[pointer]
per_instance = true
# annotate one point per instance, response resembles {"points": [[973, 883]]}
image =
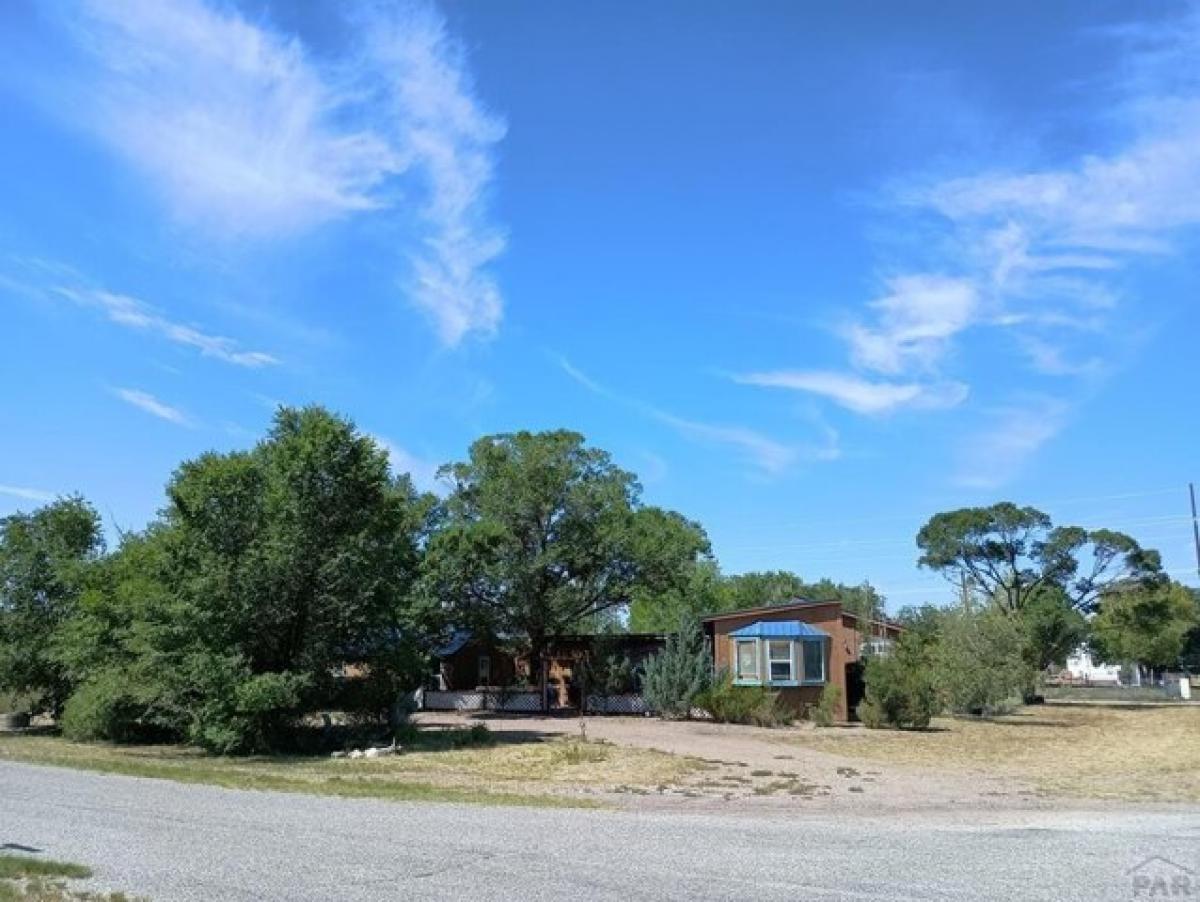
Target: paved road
{"points": [[171, 841]]}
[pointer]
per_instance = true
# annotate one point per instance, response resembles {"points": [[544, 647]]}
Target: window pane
{"points": [[814, 662], [780, 656], [747, 660]]}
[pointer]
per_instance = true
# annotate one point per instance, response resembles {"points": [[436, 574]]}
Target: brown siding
{"points": [[461, 670], [843, 647]]}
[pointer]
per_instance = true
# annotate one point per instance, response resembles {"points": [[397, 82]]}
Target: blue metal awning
{"points": [[779, 629]]}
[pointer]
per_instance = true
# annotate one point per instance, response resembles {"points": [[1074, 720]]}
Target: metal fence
{"points": [[519, 700], [627, 703]]}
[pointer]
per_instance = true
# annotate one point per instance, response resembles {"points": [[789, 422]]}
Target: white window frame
{"points": [[790, 661], [737, 662]]}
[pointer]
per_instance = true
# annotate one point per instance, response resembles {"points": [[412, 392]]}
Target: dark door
{"points": [[856, 688]]}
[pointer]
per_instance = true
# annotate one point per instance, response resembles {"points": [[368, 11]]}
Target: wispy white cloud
{"points": [[27, 494], [423, 472], [858, 394], [451, 137], [246, 132], [134, 314], [1041, 245], [232, 121], [153, 406], [654, 468], [1052, 359], [769, 456], [915, 321], [996, 454], [1039, 254]]}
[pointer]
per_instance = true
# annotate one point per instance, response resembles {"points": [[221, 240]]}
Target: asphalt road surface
{"points": [[170, 841]]}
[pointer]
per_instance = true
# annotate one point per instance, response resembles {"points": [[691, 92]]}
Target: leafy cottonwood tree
{"points": [[708, 592], [1148, 626], [1010, 553], [699, 595], [268, 570], [45, 558], [541, 532], [1053, 628], [119, 647]]}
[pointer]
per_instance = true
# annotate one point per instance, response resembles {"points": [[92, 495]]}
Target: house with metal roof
{"points": [[797, 649]]}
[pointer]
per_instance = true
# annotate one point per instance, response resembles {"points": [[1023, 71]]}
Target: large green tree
{"points": [[542, 533], [1009, 554], [702, 593], [268, 571], [1053, 628], [709, 592], [45, 561], [1148, 626]]}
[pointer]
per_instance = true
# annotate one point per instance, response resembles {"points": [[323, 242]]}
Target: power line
{"points": [[1122, 496], [856, 543]]}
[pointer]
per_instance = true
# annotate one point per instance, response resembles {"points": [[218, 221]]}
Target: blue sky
{"points": [[814, 272]]}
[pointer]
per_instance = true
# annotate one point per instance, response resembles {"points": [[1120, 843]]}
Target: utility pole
{"points": [[1195, 525]]}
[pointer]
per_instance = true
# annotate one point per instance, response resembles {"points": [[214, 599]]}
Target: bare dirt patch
{"points": [[732, 767]]}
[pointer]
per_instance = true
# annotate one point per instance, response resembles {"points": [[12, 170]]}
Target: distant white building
{"points": [[1080, 667]]}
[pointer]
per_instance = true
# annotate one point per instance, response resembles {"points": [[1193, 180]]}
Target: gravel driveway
{"points": [[752, 766], [172, 841]]}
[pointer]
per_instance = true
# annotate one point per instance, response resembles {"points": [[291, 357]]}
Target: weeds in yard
{"points": [[26, 879], [13, 867], [575, 751]]}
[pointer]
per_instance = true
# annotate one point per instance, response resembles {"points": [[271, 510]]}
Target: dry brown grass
{"points": [[1146, 754], [553, 772]]}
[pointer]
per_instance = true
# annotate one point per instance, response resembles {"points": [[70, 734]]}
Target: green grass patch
{"points": [[17, 867], [314, 776], [1107, 694]]}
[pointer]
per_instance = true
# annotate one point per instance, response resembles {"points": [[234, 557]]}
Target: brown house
{"points": [[466, 663], [797, 649]]}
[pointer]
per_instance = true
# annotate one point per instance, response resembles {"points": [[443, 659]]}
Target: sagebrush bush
{"points": [[824, 712], [871, 714], [727, 703]]}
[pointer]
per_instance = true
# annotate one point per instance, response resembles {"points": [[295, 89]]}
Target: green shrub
{"points": [[727, 703], [17, 702], [824, 713], [902, 689], [104, 708], [981, 662], [871, 714], [605, 671], [237, 712], [673, 678]]}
